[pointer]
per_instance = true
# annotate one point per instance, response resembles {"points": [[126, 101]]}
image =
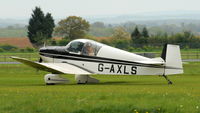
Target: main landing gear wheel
{"points": [[169, 81], [85, 79]]}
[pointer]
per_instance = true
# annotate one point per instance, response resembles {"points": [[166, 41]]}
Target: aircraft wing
{"points": [[56, 68]]}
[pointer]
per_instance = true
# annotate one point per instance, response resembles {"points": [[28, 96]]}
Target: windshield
{"points": [[75, 47]]}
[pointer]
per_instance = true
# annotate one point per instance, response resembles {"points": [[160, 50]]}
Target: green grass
{"points": [[22, 90], [19, 53], [5, 57]]}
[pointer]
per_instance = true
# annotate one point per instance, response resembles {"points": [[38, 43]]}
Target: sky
{"points": [[19, 9]]}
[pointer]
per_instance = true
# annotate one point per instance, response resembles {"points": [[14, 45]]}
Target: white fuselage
{"points": [[109, 60]]}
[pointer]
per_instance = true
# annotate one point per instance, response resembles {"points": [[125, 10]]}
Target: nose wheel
{"points": [[168, 80]]}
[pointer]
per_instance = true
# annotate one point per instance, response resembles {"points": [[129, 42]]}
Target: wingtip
{"points": [[13, 57], [17, 58]]}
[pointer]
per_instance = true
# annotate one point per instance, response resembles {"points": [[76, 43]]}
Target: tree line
{"points": [[41, 27], [185, 39]]}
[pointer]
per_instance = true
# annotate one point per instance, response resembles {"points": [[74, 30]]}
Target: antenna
{"points": [[44, 44]]}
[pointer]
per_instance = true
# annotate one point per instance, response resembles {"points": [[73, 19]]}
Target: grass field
{"points": [[22, 90]]}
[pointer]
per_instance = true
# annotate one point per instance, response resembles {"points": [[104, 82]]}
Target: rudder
{"points": [[172, 56]]}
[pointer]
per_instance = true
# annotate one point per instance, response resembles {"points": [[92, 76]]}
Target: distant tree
{"points": [[72, 27], [8, 47], [121, 38], [120, 33], [143, 40], [63, 42], [129, 26], [40, 27], [98, 25], [136, 33], [35, 26], [53, 42], [188, 34], [136, 36], [49, 25], [145, 32], [99, 29], [1, 50]]}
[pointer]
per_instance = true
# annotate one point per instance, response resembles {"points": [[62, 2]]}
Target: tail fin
{"points": [[172, 56]]}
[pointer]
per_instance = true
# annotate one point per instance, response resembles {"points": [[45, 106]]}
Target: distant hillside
{"points": [[152, 18], [11, 31], [18, 42], [10, 22]]}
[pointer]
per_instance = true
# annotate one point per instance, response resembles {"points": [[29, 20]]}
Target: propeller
{"points": [[40, 60]]}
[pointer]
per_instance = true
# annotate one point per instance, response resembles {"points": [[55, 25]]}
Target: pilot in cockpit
{"points": [[88, 49]]}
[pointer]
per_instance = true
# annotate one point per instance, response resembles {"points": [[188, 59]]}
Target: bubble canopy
{"points": [[84, 47]]}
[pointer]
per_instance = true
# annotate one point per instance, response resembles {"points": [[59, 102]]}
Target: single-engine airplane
{"points": [[84, 57]]}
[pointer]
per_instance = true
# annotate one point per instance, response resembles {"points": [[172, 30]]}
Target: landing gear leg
{"points": [[85, 79], [169, 81]]}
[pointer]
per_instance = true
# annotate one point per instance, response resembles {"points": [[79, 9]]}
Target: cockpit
{"points": [[84, 47]]}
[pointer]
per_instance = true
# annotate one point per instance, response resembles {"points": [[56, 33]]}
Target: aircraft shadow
{"points": [[101, 83], [127, 83], [22, 85]]}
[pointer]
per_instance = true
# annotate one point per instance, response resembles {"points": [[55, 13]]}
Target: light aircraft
{"points": [[83, 57]]}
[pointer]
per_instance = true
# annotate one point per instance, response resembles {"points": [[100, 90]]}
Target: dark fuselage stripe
{"points": [[90, 57], [99, 60]]}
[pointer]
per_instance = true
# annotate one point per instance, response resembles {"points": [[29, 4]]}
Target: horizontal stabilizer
{"points": [[153, 61]]}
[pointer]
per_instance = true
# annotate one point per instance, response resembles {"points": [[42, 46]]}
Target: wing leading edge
{"points": [[56, 68]]}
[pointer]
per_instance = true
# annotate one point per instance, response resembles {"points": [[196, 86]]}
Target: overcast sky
{"points": [[62, 8]]}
